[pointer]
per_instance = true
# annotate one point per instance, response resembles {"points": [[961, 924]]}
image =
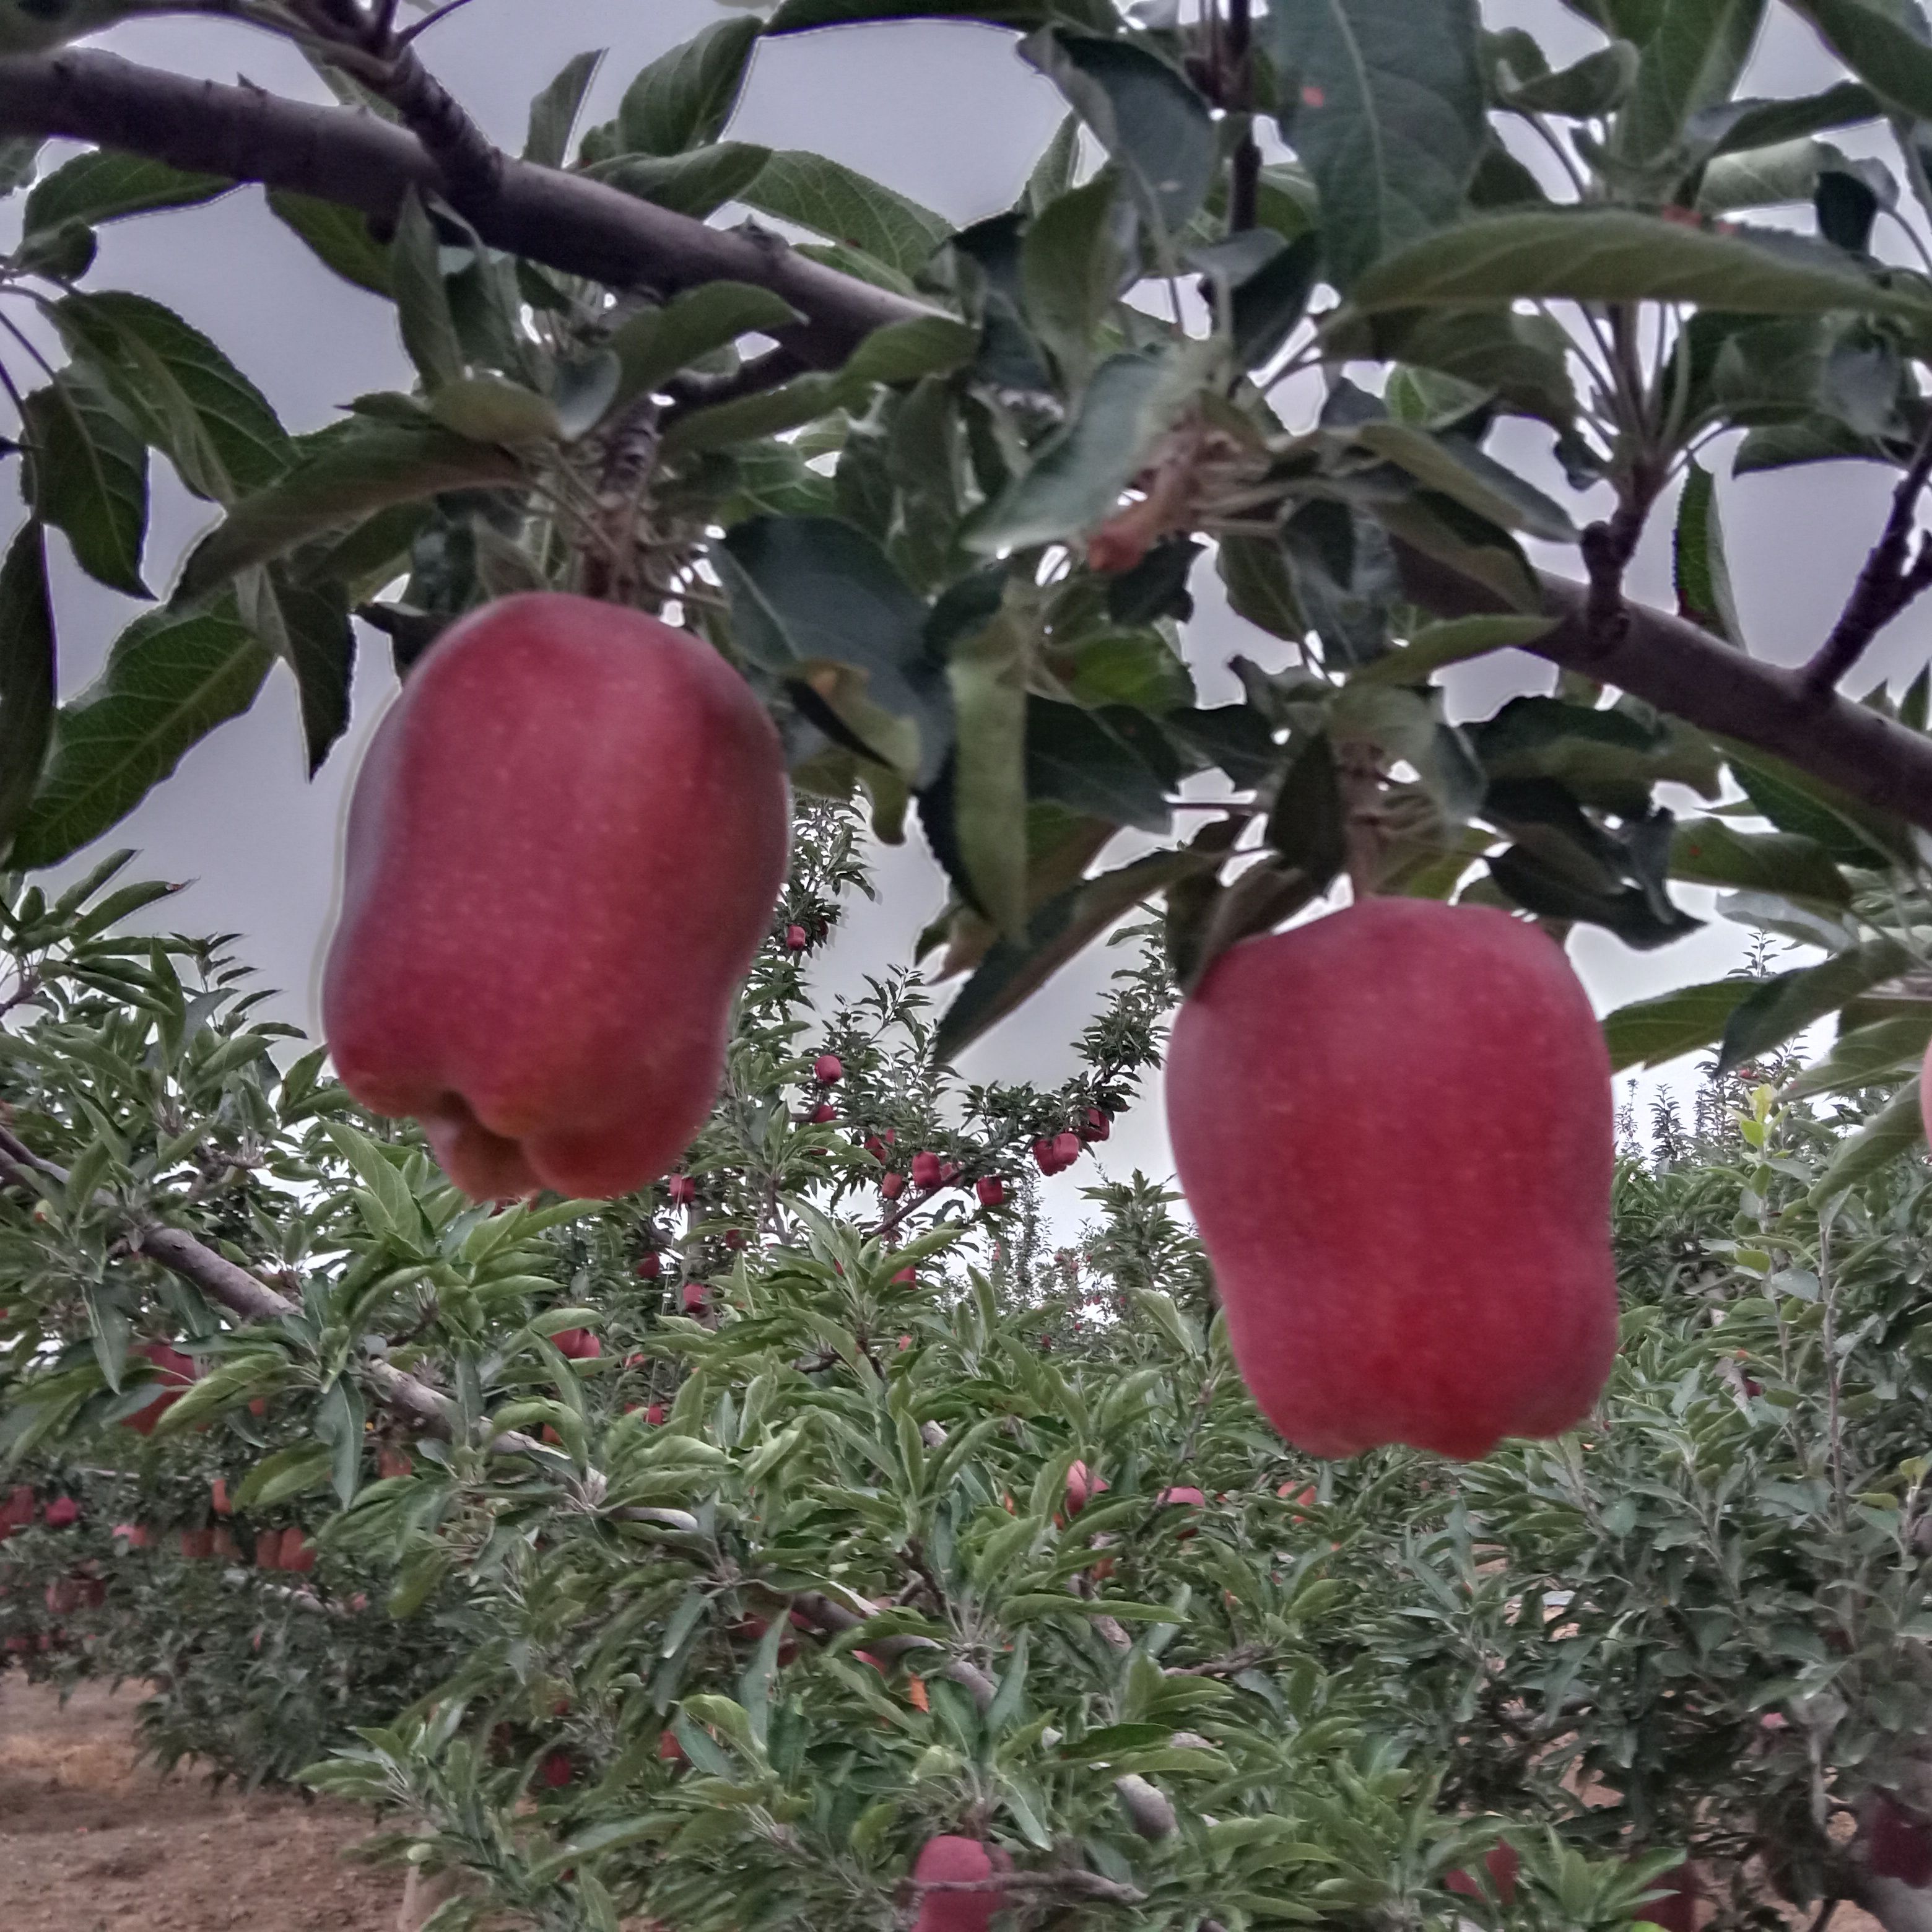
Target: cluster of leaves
{"points": [[958, 566]]}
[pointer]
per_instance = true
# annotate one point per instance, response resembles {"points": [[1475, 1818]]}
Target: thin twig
{"points": [[1886, 583]]}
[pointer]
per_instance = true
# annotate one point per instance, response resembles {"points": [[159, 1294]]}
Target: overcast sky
{"points": [[946, 114]]}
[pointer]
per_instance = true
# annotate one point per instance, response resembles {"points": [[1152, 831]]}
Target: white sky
{"points": [[946, 114]]}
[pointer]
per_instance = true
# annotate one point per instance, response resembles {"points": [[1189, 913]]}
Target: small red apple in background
{"points": [[681, 1188], [875, 1147], [296, 1553], [907, 1277], [925, 1171], [734, 1238], [1186, 1498], [579, 1345], [990, 1189], [823, 1114], [556, 1770], [1394, 1127], [197, 1544], [62, 1512], [795, 939], [670, 1751], [948, 1173], [268, 1549], [218, 1497], [393, 1462], [1502, 1865], [1099, 1125], [828, 1070], [655, 1414], [648, 1267], [174, 1372], [522, 962], [892, 1185], [1899, 1845], [696, 1298], [955, 1861]]}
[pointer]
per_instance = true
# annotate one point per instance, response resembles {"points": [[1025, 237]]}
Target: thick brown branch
{"points": [[559, 219], [1685, 671]]}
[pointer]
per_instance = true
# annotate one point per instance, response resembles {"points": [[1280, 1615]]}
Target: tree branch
{"points": [[549, 216], [1886, 583], [1684, 671]]}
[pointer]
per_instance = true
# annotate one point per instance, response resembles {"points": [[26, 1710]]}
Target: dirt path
{"points": [[90, 1843]]}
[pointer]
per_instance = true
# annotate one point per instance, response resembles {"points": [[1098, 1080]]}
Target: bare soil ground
{"points": [[90, 1842]]}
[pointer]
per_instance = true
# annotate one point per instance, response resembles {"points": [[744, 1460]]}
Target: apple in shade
{"points": [[696, 1298], [648, 1267], [1394, 1127], [173, 1372], [682, 1190], [579, 1345], [892, 1185], [523, 961], [1501, 1863]]}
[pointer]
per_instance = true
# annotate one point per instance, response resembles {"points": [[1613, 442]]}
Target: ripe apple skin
{"points": [[563, 849], [957, 1860], [1394, 1127]]}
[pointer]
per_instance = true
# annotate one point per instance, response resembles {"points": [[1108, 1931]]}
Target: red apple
{"points": [[1099, 1126], [925, 1171], [556, 1770], [648, 1267], [955, 1861], [62, 1512], [892, 1185], [1502, 1865], [1394, 1128], [823, 1114], [795, 939], [907, 1277], [579, 1345], [1900, 1845], [990, 1189], [1082, 1487], [656, 1414], [564, 847], [682, 1190], [173, 1371], [1676, 1911], [828, 1070], [697, 1299]]}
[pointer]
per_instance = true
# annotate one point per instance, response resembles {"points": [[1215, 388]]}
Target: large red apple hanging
{"points": [[1394, 1127], [564, 848]]}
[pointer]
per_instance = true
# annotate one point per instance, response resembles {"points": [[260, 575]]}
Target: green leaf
{"points": [[180, 391], [1383, 101], [1875, 43], [811, 596], [698, 184], [1454, 467], [1693, 61], [307, 625], [339, 1421], [1454, 640], [86, 472], [1012, 972], [27, 675], [1521, 359], [1649, 1032], [338, 237], [1613, 254], [1896, 1129], [986, 671], [1155, 126], [423, 312], [797, 16], [1071, 265], [1794, 801], [1595, 85], [654, 344], [553, 113], [1886, 1050], [1711, 852], [1787, 1003], [1255, 572], [1076, 477], [844, 205], [1082, 760], [488, 409], [106, 183], [169, 680], [683, 99], [1752, 123], [288, 1473], [1764, 177], [1702, 573], [365, 468]]}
